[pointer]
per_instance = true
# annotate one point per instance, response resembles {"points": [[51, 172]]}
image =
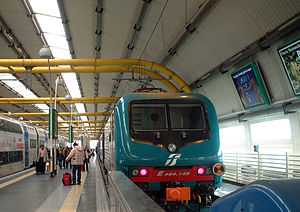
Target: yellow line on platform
{"points": [[72, 200], [16, 179]]}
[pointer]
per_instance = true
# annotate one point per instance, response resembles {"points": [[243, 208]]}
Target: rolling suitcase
{"points": [[67, 179], [39, 167]]}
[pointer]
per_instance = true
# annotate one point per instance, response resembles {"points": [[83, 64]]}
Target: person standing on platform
{"points": [[86, 159], [42, 157], [76, 156], [66, 152], [60, 157]]}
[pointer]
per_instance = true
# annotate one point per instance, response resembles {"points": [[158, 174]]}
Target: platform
{"points": [[43, 193]]}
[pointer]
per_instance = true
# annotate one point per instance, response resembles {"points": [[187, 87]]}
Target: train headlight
{"points": [[135, 172], [218, 169], [172, 147]]}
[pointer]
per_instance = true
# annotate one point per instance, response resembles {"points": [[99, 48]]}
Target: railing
{"points": [[245, 168]]}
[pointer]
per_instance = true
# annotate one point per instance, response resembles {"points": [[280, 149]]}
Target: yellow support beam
{"points": [[92, 69], [60, 100], [132, 63], [75, 127], [61, 122], [60, 113]]}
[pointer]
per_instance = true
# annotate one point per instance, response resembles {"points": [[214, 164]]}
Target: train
{"points": [[167, 144], [19, 145]]}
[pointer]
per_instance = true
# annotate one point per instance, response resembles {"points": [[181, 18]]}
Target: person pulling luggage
{"points": [[76, 157]]}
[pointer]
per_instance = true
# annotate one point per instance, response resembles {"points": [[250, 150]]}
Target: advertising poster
{"points": [[290, 57], [250, 86]]}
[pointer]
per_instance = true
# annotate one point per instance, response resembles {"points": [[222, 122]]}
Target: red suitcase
{"points": [[67, 179]]}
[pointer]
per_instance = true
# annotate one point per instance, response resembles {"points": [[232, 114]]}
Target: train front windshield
{"points": [[148, 117], [187, 117], [167, 122]]}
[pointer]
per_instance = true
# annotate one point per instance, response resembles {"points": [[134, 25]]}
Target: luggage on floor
{"points": [[67, 179], [39, 167]]}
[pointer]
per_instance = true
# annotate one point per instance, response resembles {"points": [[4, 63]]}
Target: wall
{"points": [[220, 89]]}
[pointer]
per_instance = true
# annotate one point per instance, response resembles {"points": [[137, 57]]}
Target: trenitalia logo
{"points": [[172, 159]]}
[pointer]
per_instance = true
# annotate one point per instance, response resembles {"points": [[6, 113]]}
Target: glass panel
{"points": [[233, 139], [70, 80], [3, 158], [12, 157], [32, 143], [148, 117], [48, 7], [50, 24], [2, 125], [269, 131], [187, 117], [57, 41]]}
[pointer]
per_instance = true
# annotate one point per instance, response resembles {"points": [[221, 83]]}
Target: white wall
{"points": [[222, 92]]}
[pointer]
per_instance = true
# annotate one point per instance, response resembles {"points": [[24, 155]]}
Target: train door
{"points": [[26, 144], [32, 144], [38, 137]]}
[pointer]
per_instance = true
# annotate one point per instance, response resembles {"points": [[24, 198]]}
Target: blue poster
{"points": [[247, 86]]}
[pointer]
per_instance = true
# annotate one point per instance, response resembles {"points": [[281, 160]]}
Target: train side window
{"points": [[8, 126], [32, 143], [15, 128], [10, 157], [2, 125], [3, 158], [15, 156]]}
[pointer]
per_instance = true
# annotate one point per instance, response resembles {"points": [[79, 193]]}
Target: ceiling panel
{"points": [[118, 21], [173, 21], [15, 16], [219, 38]]}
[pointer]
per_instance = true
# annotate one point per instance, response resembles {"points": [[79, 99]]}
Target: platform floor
{"points": [[43, 193]]}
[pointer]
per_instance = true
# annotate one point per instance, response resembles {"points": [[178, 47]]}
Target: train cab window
{"points": [[187, 117], [148, 117]]}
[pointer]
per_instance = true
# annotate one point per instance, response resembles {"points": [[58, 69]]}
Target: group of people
{"points": [[61, 155], [76, 158]]}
